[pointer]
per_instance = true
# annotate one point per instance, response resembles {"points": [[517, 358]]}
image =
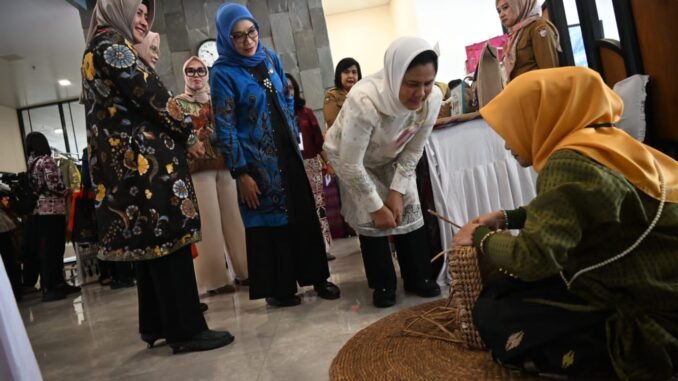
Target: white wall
{"points": [[363, 35], [402, 12], [456, 24], [6, 84], [366, 34], [11, 148]]}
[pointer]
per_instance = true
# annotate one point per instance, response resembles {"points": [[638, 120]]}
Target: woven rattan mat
{"points": [[382, 351]]}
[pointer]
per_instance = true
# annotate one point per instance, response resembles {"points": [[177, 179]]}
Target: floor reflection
{"points": [[94, 336]]}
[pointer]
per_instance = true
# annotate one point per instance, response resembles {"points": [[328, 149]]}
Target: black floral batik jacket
{"points": [[137, 136]]}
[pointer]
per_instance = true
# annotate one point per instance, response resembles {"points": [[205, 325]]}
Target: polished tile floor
{"points": [[94, 336]]}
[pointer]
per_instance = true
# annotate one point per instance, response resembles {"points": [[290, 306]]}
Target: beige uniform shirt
{"points": [[537, 48], [334, 99]]}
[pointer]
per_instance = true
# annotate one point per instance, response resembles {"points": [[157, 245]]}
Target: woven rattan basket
{"points": [[454, 319]]}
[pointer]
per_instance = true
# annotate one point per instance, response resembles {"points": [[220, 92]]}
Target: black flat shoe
{"points": [[244, 282], [327, 290], [118, 284], [288, 301], [68, 289], [52, 295], [204, 307], [330, 257], [150, 339], [428, 289], [383, 298], [203, 341]]}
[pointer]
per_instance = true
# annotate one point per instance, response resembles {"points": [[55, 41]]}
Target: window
{"points": [[576, 38], [62, 123], [74, 115], [607, 17], [46, 120]]}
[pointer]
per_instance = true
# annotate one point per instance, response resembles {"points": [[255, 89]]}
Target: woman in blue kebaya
{"points": [[255, 130]]}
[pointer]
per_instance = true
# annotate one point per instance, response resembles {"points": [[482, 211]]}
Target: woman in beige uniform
{"points": [[533, 41], [346, 75]]}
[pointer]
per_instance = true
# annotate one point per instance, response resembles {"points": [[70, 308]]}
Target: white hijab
{"points": [[383, 87]]}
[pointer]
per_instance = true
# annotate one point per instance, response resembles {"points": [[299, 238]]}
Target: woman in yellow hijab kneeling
{"points": [[590, 283]]}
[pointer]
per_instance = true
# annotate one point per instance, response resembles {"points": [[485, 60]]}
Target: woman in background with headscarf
{"points": [[223, 232], [594, 269], [259, 139], [149, 49], [346, 74], [533, 41], [374, 146], [312, 141], [145, 204], [48, 223]]}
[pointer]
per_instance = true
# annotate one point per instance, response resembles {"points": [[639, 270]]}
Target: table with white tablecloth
{"points": [[473, 174]]}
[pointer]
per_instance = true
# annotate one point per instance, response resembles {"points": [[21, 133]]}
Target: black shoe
{"points": [[227, 289], [68, 289], [327, 290], [428, 289], [150, 339], [287, 301], [204, 307], [383, 298], [52, 295], [28, 290], [203, 341], [330, 257], [118, 284], [244, 282]]}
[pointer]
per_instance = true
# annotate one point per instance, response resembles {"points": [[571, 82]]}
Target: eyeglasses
{"points": [[240, 37], [196, 72]]}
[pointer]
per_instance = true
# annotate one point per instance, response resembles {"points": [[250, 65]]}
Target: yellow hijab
{"points": [[543, 111]]}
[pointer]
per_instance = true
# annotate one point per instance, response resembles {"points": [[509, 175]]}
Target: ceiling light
{"points": [[58, 131], [64, 82]]}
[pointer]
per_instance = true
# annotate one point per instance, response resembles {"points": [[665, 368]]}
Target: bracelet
{"points": [[192, 140], [506, 223], [481, 245]]}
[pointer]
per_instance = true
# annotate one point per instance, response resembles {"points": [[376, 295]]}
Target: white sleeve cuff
{"points": [[373, 202], [400, 182]]}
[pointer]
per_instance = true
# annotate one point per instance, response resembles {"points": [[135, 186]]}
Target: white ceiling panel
{"points": [[41, 41], [333, 7]]}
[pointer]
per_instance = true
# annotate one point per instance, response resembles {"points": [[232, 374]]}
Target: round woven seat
{"points": [[383, 351]]}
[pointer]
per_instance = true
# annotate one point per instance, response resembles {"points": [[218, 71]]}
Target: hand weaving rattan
{"points": [[454, 322]]}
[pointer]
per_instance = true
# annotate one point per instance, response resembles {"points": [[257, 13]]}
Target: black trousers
{"points": [[413, 257], [169, 305], [537, 337], [49, 233], [279, 258], [29, 253], [9, 260]]}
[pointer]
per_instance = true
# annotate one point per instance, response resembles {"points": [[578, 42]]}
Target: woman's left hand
{"points": [[464, 237], [330, 170], [204, 133], [394, 201]]}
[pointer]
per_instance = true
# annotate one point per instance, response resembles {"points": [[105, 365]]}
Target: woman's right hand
{"points": [[493, 220], [196, 151], [383, 218], [249, 191]]}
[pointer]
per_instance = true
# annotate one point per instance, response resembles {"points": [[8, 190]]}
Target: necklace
{"points": [[635, 244]]}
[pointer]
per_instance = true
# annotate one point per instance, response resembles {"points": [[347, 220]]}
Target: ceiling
{"points": [[333, 7], [41, 41]]}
